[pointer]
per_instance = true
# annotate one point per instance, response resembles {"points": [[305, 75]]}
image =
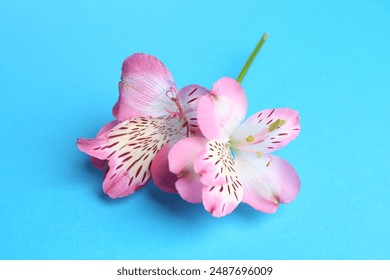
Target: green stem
{"points": [[251, 58]]}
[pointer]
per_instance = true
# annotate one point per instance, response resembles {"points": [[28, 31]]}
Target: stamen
{"points": [[249, 151], [270, 160], [258, 154], [179, 113], [172, 114], [250, 138], [276, 124], [171, 93]]}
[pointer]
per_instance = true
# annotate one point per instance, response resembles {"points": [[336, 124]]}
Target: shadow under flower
{"points": [[167, 204], [249, 214], [173, 203]]}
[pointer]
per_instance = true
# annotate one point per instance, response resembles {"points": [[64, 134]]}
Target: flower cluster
{"points": [[193, 142]]}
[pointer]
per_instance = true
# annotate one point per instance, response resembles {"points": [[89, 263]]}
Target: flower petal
{"points": [[221, 200], [182, 155], [107, 127], [181, 162], [222, 111], [189, 97], [144, 88], [215, 164], [162, 177], [268, 181], [98, 163], [222, 190], [267, 131], [190, 189], [130, 148]]}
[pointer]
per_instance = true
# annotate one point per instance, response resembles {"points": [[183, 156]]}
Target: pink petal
{"points": [[119, 184], [93, 146], [130, 148], [268, 181], [222, 111], [98, 163], [221, 200], [190, 189], [267, 131], [181, 161], [107, 127], [162, 177], [215, 164], [222, 190], [189, 97], [145, 87]]}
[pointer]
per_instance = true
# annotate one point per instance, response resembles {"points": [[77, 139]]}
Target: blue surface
{"points": [[60, 65]]}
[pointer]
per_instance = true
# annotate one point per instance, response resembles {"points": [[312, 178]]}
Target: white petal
{"points": [[267, 131], [215, 164], [268, 181], [145, 88], [130, 148]]}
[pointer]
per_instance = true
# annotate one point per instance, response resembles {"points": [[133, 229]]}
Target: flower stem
{"points": [[251, 58]]}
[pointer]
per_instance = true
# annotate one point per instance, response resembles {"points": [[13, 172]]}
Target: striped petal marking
{"points": [[215, 163], [267, 131], [130, 148], [222, 199], [217, 170], [188, 99]]}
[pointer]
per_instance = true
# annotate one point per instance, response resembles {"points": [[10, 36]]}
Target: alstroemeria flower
{"points": [[152, 115], [232, 163], [98, 163]]}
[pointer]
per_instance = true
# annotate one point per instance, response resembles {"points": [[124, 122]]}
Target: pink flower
{"points": [[98, 163], [151, 116], [231, 163]]}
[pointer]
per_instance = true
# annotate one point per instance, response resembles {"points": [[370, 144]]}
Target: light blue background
{"points": [[60, 64]]}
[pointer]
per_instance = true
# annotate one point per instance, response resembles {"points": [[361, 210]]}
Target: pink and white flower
{"points": [[151, 115], [231, 163]]}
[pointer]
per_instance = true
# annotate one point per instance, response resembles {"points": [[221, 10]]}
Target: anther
{"points": [[276, 124]]}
